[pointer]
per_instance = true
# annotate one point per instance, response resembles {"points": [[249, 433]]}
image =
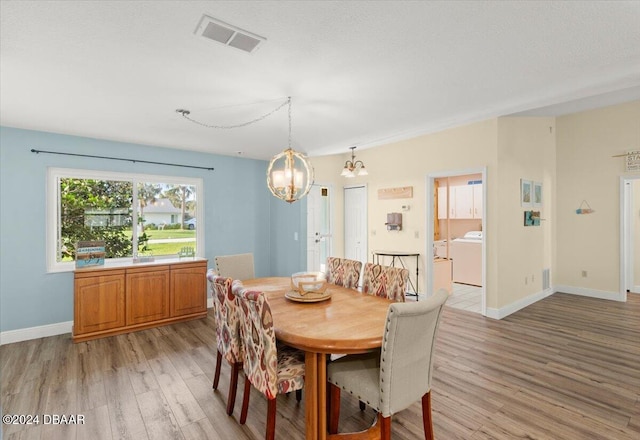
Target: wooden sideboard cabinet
{"points": [[114, 300]]}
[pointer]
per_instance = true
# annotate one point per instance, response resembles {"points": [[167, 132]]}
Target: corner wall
{"points": [[238, 208], [586, 171]]}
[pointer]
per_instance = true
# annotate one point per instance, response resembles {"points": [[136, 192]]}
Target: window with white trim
{"points": [[85, 205]]}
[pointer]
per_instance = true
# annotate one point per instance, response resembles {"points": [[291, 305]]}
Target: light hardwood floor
{"points": [[566, 367]]}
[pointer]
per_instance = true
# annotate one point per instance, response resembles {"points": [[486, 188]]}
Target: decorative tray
{"points": [[309, 297]]}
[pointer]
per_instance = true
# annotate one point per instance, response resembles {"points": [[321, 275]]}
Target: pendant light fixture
{"points": [[353, 167], [289, 175]]}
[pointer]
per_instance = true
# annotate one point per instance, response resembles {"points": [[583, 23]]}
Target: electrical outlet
{"points": [[373, 232], [526, 280], [417, 234], [584, 274]]}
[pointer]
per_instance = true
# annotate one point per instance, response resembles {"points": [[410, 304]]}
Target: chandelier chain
{"points": [[185, 114]]}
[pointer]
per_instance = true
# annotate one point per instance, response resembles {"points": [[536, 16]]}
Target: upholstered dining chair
{"points": [[238, 267], [384, 281], [228, 340], [399, 375], [272, 369], [343, 272]]}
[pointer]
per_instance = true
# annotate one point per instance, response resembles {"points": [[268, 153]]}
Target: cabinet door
{"points": [[464, 201], [147, 295], [98, 303], [188, 289], [477, 201], [442, 202]]}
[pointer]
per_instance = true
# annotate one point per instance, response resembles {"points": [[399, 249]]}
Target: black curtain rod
{"points": [[120, 158]]}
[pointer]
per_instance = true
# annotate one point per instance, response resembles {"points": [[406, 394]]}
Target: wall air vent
{"points": [[229, 35]]}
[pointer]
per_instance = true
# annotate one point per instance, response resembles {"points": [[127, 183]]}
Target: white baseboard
{"points": [[517, 305], [25, 334], [592, 293]]}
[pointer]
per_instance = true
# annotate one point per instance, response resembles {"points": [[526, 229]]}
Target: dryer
{"points": [[466, 253]]}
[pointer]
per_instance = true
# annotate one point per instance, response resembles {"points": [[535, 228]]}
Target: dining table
{"points": [[347, 322]]}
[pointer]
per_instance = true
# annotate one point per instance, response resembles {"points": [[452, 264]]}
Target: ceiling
{"points": [[359, 73]]}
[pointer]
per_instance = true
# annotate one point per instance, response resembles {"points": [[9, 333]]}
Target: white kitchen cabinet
{"points": [[465, 202], [442, 203], [477, 201]]}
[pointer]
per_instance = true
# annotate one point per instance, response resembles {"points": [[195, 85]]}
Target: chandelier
{"points": [[290, 174], [354, 167]]}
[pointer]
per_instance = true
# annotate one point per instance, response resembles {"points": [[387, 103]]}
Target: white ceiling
{"points": [[359, 73]]}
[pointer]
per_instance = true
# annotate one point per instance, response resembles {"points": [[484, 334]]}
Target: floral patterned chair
{"points": [[271, 369], [343, 272], [384, 281], [228, 339]]}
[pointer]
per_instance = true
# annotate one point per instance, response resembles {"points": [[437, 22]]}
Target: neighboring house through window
{"points": [[85, 205]]}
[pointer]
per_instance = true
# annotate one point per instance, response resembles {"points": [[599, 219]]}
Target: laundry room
{"points": [[458, 235]]}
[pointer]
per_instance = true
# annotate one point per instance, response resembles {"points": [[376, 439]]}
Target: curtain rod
{"points": [[121, 158]]}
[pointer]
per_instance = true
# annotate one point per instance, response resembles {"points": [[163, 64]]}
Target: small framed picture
{"points": [[537, 195], [525, 193]]}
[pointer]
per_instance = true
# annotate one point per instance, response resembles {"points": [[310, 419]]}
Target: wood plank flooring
{"points": [[567, 367]]}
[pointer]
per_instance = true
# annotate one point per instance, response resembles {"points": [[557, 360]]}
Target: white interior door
{"points": [[318, 227], [631, 235], [355, 223]]}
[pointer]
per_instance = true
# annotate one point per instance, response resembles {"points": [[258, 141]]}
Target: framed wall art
{"points": [[526, 187], [536, 195]]}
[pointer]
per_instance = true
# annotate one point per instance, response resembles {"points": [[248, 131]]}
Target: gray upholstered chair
{"points": [[400, 374], [384, 281], [343, 272], [238, 267]]}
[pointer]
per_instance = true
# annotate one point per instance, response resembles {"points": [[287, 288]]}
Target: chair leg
{"points": [[362, 406], [334, 408], [245, 401], [271, 419], [427, 421], [298, 395], [385, 427], [233, 386], [216, 375]]}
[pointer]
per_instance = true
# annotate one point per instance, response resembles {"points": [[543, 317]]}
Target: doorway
{"points": [[319, 228], [461, 222], [355, 223], [629, 236]]}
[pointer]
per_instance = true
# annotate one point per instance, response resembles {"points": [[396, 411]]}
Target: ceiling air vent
{"points": [[229, 35]]}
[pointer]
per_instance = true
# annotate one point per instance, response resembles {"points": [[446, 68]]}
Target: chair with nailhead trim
{"points": [[400, 374]]}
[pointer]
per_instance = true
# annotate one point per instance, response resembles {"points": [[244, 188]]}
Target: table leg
{"points": [[311, 395], [322, 395]]}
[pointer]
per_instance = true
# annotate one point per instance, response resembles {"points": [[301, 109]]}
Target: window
{"points": [[93, 205]]}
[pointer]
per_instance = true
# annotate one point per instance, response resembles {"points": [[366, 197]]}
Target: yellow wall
{"points": [[570, 155], [586, 171], [407, 163], [526, 150]]}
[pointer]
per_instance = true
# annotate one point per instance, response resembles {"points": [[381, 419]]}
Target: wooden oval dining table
{"points": [[348, 322]]}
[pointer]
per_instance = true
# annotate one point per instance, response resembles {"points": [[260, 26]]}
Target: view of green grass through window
{"points": [[95, 209]]}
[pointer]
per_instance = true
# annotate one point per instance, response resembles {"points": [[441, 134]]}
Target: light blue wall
{"points": [[240, 215]]}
